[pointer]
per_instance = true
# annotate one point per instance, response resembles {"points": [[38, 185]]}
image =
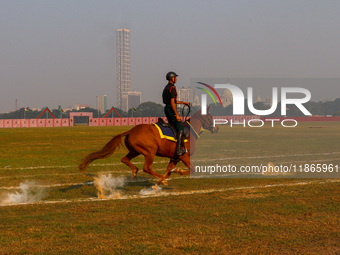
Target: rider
{"points": [[169, 99]]}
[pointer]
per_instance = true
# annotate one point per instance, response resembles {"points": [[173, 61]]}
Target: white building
{"points": [[81, 106], [227, 98], [102, 103], [130, 100], [184, 94], [123, 64]]}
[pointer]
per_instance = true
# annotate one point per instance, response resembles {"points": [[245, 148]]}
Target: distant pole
{"points": [[61, 111]]}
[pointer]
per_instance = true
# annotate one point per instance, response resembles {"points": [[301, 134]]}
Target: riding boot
{"points": [[179, 150]]}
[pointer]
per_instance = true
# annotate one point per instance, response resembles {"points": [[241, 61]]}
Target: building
{"points": [[36, 109], [130, 100], [102, 103], [81, 106], [184, 94], [268, 101], [196, 101], [67, 109], [227, 98], [123, 64]]}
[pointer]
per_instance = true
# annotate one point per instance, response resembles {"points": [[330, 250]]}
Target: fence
{"points": [[31, 123]]}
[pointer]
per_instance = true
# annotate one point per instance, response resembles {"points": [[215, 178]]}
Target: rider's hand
{"points": [[178, 118]]}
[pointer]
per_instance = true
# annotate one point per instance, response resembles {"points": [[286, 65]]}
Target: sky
{"points": [[57, 52]]}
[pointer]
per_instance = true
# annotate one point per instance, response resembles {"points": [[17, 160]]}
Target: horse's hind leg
{"points": [[148, 168], [171, 166], [127, 161], [186, 160]]}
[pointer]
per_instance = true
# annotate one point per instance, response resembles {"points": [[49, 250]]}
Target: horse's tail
{"points": [[105, 152]]}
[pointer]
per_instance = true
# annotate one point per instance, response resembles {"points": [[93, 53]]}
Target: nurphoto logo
{"points": [[239, 99]]}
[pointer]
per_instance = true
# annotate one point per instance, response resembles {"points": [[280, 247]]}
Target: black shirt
{"points": [[169, 92]]}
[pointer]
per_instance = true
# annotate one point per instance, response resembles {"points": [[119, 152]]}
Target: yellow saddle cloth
{"points": [[166, 132]]}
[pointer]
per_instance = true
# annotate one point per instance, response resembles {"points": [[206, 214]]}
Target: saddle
{"points": [[186, 131]]}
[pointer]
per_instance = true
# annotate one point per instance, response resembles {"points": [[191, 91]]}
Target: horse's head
{"points": [[207, 121]]}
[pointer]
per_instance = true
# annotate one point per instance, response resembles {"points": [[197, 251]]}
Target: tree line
{"points": [[146, 109], [151, 109]]}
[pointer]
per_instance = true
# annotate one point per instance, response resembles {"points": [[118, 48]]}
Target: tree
{"points": [[148, 109], [151, 109]]}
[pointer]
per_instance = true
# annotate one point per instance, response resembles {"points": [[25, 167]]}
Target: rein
{"points": [[186, 116], [201, 119], [192, 130]]}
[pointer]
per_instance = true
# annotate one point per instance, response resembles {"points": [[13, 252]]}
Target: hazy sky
{"points": [[63, 52]]}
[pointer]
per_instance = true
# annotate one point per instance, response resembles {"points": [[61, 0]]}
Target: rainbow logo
{"points": [[209, 93]]}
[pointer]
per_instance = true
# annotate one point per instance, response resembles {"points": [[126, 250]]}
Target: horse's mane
{"points": [[197, 114]]}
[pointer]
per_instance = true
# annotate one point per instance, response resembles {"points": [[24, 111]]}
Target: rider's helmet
{"points": [[169, 75]]}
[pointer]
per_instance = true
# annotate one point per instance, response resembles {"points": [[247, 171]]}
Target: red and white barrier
{"points": [[65, 123], [34, 123], [110, 122], [31, 123]]}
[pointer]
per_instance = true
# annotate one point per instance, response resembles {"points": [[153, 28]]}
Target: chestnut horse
{"points": [[145, 139]]}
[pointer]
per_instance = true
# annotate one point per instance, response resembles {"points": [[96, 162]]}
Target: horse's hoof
{"points": [[175, 170], [134, 173], [101, 196], [162, 181]]}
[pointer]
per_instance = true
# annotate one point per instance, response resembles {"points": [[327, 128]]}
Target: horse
{"points": [[145, 139]]}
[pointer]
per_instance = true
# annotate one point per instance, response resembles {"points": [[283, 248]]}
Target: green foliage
{"points": [[148, 109], [151, 109]]}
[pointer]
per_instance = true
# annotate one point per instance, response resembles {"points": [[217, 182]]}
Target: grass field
{"points": [[190, 216]]}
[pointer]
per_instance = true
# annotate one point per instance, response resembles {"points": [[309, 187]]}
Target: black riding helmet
{"points": [[169, 75]]}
